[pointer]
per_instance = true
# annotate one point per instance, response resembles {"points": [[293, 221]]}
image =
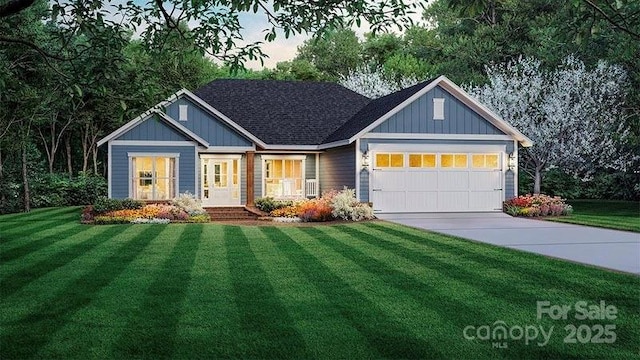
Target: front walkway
{"points": [[612, 249]]}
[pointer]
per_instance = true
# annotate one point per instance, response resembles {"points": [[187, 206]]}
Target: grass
{"points": [[620, 215], [370, 290]]}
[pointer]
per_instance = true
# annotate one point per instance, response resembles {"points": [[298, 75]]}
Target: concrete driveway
{"points": [[612, 249]]}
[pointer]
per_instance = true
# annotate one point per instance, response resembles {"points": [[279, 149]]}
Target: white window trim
{"points": [[282, 157], [438, 109], [132, 155]]}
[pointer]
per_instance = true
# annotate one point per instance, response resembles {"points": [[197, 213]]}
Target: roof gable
{"points": [[210, 127], [153, 129], [418, 117], [374, 113], [162, 118]]}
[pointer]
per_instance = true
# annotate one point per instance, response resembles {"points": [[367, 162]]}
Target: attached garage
{"points": [[437, 178]]}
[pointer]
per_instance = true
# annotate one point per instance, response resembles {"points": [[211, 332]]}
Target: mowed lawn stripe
{"points": [[19, 230], [388, 337], [58, 233], [58, 213], [327, 334], [266, 327], [10, 282], [152, 330], [100, 324], [431, 305], [28, 335], [210, 319]]}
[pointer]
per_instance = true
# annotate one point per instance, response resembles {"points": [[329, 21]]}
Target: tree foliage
{"points": [[571, 113]]}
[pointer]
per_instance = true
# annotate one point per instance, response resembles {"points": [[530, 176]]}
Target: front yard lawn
{"points": [[368, 290], [620, 215]]}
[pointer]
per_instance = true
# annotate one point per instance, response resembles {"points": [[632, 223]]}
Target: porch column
{"points": [[250, 175]]}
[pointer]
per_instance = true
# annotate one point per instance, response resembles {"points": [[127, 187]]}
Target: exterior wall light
{"points": [[365, 160], [512, 161]]}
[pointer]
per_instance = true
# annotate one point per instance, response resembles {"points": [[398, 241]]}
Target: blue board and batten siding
{"points": [[417, 118], [120, 165], [153, 129], [208, 127]]}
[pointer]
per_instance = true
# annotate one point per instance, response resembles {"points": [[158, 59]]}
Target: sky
{"points": [[254, 26], [283, 49]]}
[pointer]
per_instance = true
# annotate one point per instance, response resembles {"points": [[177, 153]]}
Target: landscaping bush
{"points": [[333, 204], [314, 210], [189, 204], [537, 205], [115, 211], [269, 204], [104, 204], [346, 207]]}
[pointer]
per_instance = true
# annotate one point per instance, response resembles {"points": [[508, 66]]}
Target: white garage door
{"points": [[437, 181]]}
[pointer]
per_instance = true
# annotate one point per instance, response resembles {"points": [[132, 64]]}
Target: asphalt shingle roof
{"points": [[298, 112], [284, 112]]}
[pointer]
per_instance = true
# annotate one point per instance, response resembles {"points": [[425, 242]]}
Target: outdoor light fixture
{"points": [[512, 161], [365, 160]]}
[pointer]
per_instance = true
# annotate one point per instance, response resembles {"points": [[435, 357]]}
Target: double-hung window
{"points": [[284, 176]]}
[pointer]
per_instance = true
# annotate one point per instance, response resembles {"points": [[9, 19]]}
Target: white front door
{"points": [[220, 180]]}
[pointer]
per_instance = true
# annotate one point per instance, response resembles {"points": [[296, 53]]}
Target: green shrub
{"points": [[200, 218], [104, 204], [268, 204]]}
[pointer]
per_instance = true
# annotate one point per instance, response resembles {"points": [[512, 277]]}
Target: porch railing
{"points": [[311, 188]]}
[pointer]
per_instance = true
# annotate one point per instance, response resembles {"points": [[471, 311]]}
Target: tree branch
{"points": [[611, 20], [14, 6], [45, 55]]}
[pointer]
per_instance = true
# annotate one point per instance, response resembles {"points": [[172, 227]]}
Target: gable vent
{"points": [[438, 109], [183, 112]]}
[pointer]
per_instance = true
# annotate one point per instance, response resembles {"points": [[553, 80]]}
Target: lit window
{"points": [[422, 160], [154, 177], [487, 161], [389, 160], [453, 160], [283, 178]]}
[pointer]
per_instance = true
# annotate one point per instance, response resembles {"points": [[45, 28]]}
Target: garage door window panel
{"points": [[453, 160], [422, 160], [389, 160], [485, 161]]}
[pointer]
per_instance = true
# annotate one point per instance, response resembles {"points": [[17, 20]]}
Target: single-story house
{"points": [[428, 148]]}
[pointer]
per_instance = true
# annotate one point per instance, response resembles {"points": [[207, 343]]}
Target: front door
{"points": [[220, 179]]}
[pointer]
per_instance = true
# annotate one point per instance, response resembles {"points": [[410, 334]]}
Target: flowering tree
{"points": [[374, 83], [572, 114]]}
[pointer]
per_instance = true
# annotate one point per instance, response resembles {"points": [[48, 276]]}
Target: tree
{"points": [[334, 53], [573, 114], [374, 83], [216, 24]]}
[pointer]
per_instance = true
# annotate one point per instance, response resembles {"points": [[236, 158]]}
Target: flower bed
{"points": [[331, 206], [537, 205], [184, 208]]}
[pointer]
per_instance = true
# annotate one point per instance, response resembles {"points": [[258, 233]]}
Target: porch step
{"points": [[230, 213]]}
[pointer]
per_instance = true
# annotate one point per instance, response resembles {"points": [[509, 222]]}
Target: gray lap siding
{"points": [[120, 167], [338, 168]]}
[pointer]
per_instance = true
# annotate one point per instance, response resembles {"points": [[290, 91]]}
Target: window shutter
{"points": [[183, 112], [438, 109]]}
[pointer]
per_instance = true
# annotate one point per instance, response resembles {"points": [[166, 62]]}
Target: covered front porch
{"points": [[235, 180]]}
